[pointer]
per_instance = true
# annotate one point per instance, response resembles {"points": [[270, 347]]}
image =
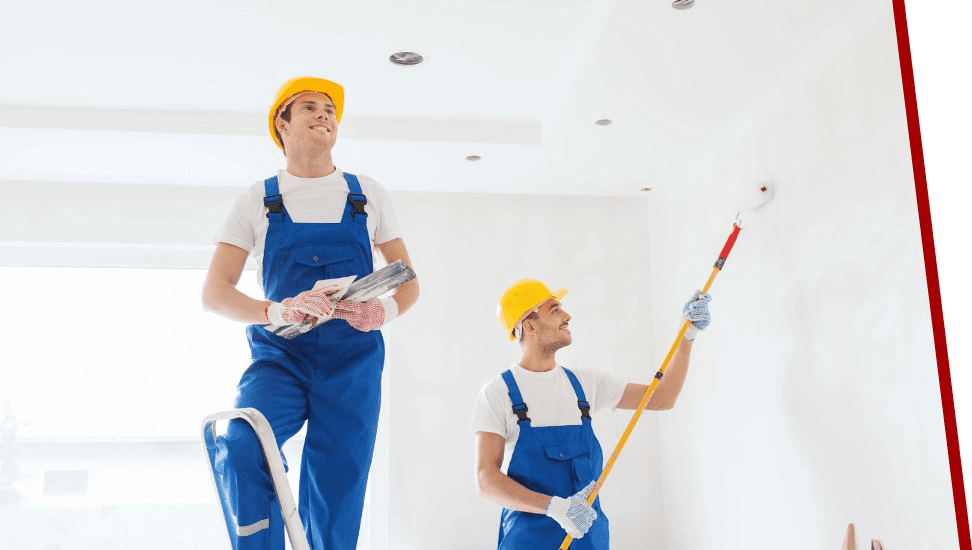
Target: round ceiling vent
{"points": [[406, 58], [604, 122]]}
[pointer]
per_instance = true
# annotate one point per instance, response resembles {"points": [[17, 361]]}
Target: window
{"points": [[107, 375]]}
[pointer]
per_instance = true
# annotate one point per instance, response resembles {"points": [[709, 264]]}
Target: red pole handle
{"points": [[725, 250]]}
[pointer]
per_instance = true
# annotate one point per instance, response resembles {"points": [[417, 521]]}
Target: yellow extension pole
{"points": [[654, 382]]}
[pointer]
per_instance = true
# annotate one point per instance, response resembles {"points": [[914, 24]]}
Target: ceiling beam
{"points": [[252, 124]]}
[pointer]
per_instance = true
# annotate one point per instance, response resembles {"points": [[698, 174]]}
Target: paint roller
{"points": [[754, 199], [749, 202]]}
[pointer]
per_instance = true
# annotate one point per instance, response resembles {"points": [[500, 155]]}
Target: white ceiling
{"points": [[176, 92]]}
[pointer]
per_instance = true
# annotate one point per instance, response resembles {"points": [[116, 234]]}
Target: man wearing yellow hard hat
{"points": [[311, 221], [537, 414]]}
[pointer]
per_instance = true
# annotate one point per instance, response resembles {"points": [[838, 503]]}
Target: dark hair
{"points": [[285, 114]]}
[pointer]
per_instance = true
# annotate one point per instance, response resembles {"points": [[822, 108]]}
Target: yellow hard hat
{"points": [[300, 85], [520, 299]]}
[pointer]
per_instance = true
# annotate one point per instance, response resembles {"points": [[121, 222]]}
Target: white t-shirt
{"points": [[549, 397], [307, 200]]}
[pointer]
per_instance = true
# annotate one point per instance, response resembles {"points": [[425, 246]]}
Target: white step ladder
{"points": [[268, 443]]}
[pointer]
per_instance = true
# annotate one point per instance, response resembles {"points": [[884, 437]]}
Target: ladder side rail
{"points": [[278, 475]]}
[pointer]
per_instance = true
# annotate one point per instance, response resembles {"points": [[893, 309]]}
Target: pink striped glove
{"points": [[365, 316], [294, 310]]}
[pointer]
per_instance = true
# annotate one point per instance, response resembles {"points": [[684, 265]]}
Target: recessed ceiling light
{"points": [[683, 4], [473, 157], [604, 122], [406, 58]]}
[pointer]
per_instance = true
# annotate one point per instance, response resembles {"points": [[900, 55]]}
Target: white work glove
{"points": [[365, 316], [574, 514], [697, 311], [294, 310]]}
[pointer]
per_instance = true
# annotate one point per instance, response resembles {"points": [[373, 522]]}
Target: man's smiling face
{"points": [[551, 326], [312, 123]]}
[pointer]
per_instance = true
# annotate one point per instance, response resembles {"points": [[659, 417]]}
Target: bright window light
{"points": [[107, 375]]}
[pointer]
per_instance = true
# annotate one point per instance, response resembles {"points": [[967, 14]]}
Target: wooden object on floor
{"points": [[849, 538]]}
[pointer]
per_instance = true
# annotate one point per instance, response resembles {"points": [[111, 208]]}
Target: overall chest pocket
{"points": [[327, 261], [577, 456]]}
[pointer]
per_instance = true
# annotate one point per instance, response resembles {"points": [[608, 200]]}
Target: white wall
{"points": [[109, 225], [814, 399]]}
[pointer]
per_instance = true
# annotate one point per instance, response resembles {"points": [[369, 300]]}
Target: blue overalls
{"points": [[557, 461], [329, 377]]}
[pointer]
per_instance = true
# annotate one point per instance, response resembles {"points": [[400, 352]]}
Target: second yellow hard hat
{"points": [[520, 299]]}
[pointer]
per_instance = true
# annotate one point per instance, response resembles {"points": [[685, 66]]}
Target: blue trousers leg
{"points": [[342, 423], [280, 393]]}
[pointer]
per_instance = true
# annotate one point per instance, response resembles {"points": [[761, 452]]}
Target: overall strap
{"points": [[354, 210], [582, 403], [273, 201], [519, 407]]}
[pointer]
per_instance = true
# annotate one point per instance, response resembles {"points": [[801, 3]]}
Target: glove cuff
{"points": [[557, 508], [691, 332], [391, 309], [274, 313]]}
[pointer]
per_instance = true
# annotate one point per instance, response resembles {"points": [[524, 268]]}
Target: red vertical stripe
{"points": [[931, 275]]}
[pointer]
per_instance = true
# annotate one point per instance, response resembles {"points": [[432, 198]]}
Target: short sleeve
{"points": [[490, 413], [387, 228], [608, 390], [237, 228]]}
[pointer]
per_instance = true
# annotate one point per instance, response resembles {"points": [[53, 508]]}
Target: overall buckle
{"points": [[520, 411], [585, 408], [274, 203], [358, 201]]}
